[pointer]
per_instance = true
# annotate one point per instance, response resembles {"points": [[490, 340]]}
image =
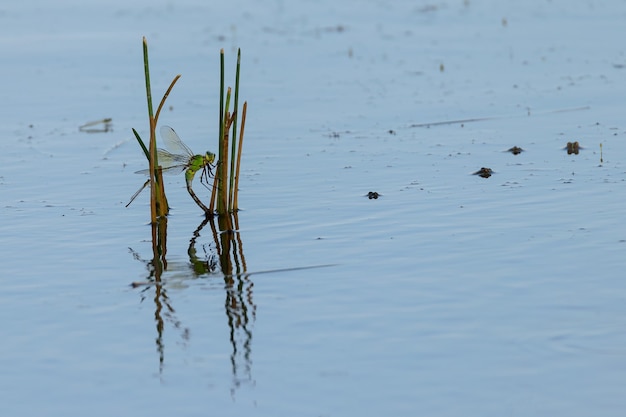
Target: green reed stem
{"points": [[143, 146], [226, 176], [222, 201], [154, 210], [220, 172], [221, 125], [233, 153], [158, 203]]}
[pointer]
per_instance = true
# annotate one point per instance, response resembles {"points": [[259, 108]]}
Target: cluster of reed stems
{"points": [[224, 194], [226, 184]]}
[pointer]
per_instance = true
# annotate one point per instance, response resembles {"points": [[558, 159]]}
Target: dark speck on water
{"points": [[573, 148], [484, 172], [515, 150]]}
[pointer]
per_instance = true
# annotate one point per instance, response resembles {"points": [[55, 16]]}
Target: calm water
{"points": [[450, 294]]}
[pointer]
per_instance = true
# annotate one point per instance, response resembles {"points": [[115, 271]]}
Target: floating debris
{"points": [[515, 150], [90, 127], [373, 195], [573, 148], [601, 159], [484, 172]]}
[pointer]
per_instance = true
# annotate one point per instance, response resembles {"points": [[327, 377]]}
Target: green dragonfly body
{"points": [[179, 158]]}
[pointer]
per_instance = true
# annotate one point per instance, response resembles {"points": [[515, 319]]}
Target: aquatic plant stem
{"points": [[213, 193], [155, 210], [235, 204], [222, 168], [219, 175], [165, 96], [158, 201], [233, 154], [226, 179], [143, 146]]}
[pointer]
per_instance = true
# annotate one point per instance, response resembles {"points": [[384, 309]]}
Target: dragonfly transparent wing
{"points": [[170, 163], [145, 184], [177, 159], [173, 143]]}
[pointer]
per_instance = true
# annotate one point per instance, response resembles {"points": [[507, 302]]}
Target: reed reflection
{"points": [[223, 252], [239, 302], [163, 310]]}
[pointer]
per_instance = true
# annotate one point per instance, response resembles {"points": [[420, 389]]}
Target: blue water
{"points": [[449, 295]]}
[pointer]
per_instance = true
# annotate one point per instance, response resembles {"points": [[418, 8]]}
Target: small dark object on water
{"points": [[484, 172], [92, 127], [572, 148], [515, 150], [373, 195]]}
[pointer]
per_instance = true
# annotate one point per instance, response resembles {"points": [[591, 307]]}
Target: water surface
{"points": [[451, 294]]}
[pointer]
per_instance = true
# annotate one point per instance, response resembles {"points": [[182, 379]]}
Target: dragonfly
{"points": [[179, 158]]}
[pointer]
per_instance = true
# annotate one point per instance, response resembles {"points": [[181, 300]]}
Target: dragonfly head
{"points": [[209, 157]]}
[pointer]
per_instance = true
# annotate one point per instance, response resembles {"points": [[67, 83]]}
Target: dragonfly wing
{"points": [[173, 142], [170, 163], [173, 170], [145, 184], [177, 159]]}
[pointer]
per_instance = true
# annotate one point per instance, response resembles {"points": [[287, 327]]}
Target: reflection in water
{"points": [[201, 266], [226, 251], [163, 309], [239, 304]]}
